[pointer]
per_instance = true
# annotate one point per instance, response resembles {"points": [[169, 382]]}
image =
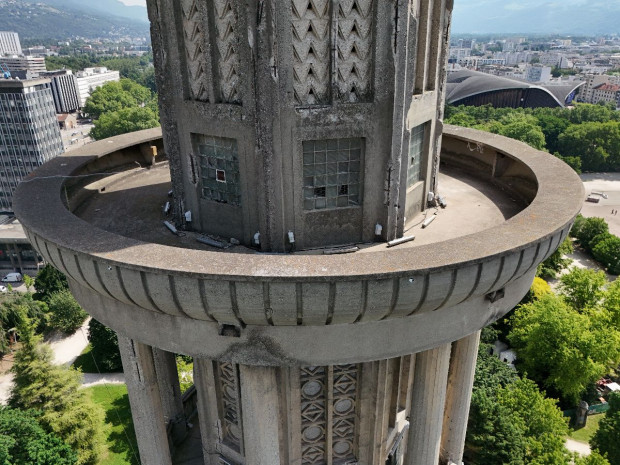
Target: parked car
{"points": [[12, 278]]}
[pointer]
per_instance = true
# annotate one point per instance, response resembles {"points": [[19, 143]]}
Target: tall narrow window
{"points": [[332, 170], [416, 152]]}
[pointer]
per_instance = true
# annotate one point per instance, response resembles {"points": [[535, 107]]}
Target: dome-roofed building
{"points": [[466, 87]]}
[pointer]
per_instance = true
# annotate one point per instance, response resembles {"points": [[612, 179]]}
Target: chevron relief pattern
{"points": [[194, 38], [311, 51], [226, 25], [354, 50]]}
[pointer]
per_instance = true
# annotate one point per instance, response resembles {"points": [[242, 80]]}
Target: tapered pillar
{"points": [[204, 380], [145, 400], [261, 416], [170, 390], [427, 406], [458, 398]]}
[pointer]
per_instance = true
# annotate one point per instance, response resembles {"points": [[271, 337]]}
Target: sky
{"points": [[539, 16], [134, 2]]}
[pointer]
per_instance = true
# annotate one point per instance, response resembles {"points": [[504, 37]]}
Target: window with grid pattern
{"points": [[219, 168], [416, 151], [332, 173]]}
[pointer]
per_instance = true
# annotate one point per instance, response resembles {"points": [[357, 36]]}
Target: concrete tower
{"points": [[299, 136]]}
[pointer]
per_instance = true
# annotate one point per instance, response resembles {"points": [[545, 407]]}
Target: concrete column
{"points": [[458, 398], [261, 415], [170, 390], [145, 400], [427, 406], [204, 380]]}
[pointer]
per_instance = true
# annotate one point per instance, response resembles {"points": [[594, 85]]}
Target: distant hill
{"points": [[108, 7], [535, 16], [46, 21]]}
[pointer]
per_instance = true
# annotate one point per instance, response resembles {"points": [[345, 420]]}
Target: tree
{"points": [[115, 96], [587, 229], [593, 459], [55, 391], [539, 288], [48, 281], [526, 132], [596, 143], [607, 252], [556, 261], [104, 346], [606, 437], [66, 314], [542, 422], [24, 442], [124, 121], [561, 348], [583, 287]]}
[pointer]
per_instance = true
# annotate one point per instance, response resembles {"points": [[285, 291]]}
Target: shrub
{"points": [[65, 313], [104, 346], [607, 252]]}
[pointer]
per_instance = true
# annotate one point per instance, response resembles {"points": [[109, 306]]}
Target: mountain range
{"points": [[96, 18], [584, 17], [61, 19]]}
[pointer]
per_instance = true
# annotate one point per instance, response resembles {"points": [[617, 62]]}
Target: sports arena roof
{"points": [[467, 87]]}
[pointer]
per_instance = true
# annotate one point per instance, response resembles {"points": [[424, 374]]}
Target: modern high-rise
{"points": [[64, 90], [9, 43], [29, 134], [23, 63], [307, 229]]}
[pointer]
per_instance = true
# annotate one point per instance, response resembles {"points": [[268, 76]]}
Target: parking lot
{"points": [[609, 184], [76, 137]]}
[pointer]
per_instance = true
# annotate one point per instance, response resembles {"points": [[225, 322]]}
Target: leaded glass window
{"points": [[219, 168], [416, 152], [332, 173]]}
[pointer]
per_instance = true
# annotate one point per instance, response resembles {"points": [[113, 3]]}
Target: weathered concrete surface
{"points": [[458, 397], [427, 406], [272, 299]]}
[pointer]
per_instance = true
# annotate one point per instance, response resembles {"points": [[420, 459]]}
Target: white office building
{"points": [[9, 43], [91, 78]]}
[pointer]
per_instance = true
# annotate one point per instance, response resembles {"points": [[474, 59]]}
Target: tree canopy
{"points": [[586, 137], [114, 96], [124, 121], [606, 438], [24, 442], [561, 348], [55, 391]]}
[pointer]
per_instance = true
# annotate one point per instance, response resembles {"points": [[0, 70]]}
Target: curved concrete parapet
{"points": [[285, 308]]}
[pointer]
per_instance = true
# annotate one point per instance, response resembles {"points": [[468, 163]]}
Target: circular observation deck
{"points": [[97, 215]]}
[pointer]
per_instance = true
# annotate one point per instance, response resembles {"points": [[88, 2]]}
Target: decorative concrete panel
{"points": [[195, 42], [354, 59], [226, 26], [311, 23]]}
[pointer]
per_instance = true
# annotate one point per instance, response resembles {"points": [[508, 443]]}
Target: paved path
{"points": [[67, 348], [575, 446], [92, 379]]}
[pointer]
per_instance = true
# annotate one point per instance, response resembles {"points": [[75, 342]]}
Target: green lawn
{"points": [[85, 361], [86, 364], [122, 448], [584, 434]]}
